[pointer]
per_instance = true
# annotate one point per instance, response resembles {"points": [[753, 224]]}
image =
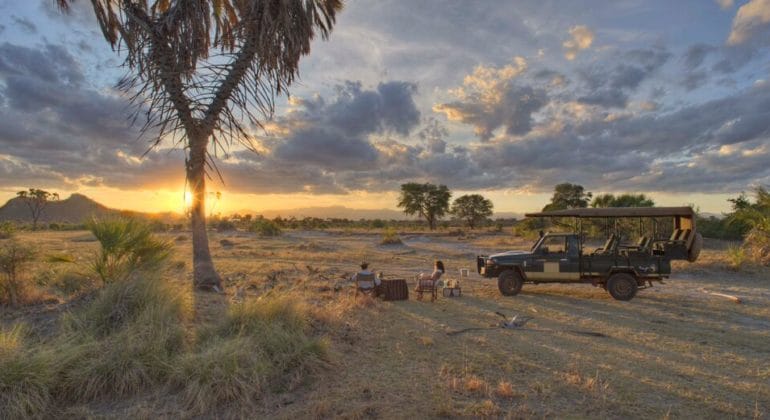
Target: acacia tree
{"points": [[36, 200], [568, 196], [428, 201], [623, 200], [200, 71], [473, 208]]}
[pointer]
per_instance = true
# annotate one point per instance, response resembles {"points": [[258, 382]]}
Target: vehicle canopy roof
{"points": [[685, 212]]}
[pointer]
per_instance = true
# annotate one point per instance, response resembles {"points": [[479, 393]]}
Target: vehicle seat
{"points": [[609, 245]]}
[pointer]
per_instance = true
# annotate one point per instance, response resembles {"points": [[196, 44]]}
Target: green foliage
{"points": [[7, 230], [473, 209], [265, 227], [390, 237], [13, 257], [623, 200], [736, 257], [127, 246], [568, 196], [428, 201]]}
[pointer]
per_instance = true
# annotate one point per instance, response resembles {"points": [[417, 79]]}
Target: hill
{"points": [[75, 209]]}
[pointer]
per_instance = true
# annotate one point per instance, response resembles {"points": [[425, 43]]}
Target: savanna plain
{"points": [[83, 351]]}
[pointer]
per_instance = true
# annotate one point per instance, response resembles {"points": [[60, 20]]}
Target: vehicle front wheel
{"points": [[509, 282], [622, 286]]}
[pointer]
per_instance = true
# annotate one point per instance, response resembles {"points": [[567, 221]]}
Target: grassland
{"points": [[673, 351]]}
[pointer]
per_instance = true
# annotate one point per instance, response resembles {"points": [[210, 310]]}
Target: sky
{"points": [[502, 98]]}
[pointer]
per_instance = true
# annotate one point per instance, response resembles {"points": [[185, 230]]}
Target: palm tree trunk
{"points": [[204, 275]]}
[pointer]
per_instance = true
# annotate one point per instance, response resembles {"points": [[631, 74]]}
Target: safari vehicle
{"points": [[619, 268]]}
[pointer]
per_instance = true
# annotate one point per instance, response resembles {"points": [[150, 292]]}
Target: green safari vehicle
{"points": [[621, 269]]}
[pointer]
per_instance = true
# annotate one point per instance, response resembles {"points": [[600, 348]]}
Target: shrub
{"points": [[390, 237], [225, 226], [736, 257], [758, 241], [127, 246], [265, 227], [13, 257], [7, 230]]}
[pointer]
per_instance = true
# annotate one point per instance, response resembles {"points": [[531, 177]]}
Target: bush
{"points": [[265, 227], [225, 226], [7, 230], [736, 257], [390, 237], [127, 246], [13, 257]]}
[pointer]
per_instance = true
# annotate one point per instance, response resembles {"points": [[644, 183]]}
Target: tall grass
{"points": [[259, 346], [136, 337], [25, 378], [7, 230], [127, 246]]}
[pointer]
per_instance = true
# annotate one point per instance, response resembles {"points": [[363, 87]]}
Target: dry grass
{"points": [[672, 351]]}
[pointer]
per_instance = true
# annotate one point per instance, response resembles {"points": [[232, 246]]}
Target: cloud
{"points": [[610, 84], [25, 24], [490, 98], [581, 38], [751, 23], [725, 4]]}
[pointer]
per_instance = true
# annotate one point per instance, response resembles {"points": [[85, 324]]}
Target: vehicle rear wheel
{"points": [[622, 286], [509, 282]]}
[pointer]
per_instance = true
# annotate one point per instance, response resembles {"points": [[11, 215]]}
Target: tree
{"points": [[36, 200], [623, 200], [568, 196], [198, 69], [472, 208], [428, 201]]}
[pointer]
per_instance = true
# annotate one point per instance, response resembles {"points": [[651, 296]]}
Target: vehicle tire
{"points": [[695, 248], [509, 282], [622, 286]]}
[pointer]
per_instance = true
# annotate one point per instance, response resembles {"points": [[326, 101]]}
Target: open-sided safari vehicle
{"points": [[621, 269]]}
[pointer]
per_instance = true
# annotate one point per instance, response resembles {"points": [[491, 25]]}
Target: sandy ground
{"points": [[673, 351]]}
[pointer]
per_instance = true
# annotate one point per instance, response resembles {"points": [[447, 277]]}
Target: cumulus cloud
{"points": [[490, 98], [752, 22], [581, 38]]}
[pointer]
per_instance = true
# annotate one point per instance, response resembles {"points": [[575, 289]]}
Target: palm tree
{"points": [[197, 69]]}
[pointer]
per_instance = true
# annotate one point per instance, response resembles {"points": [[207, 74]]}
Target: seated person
{"points": [[438, 270], [366, 272]]}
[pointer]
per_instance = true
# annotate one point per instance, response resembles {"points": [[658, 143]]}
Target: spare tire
{"points": [[695, 248]]}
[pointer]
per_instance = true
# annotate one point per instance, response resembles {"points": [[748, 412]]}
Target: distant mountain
{"points": [[75, 209]]}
